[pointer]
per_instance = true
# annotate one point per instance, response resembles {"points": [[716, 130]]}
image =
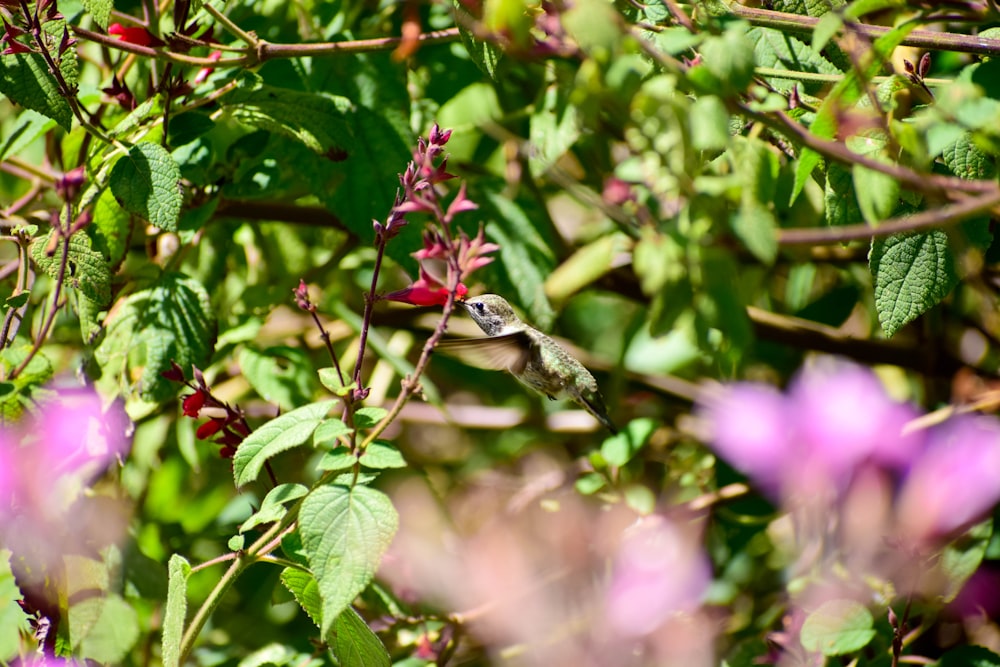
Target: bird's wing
{"points": [[509, 352]]}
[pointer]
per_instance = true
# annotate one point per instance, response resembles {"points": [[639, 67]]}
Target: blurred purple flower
{"points": [[956, 481], [843, 417], [75, 431], [660, 570], [750, 428], [835, 418]]}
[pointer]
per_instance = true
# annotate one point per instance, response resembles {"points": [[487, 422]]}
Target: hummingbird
{"points": [[529, 355]]}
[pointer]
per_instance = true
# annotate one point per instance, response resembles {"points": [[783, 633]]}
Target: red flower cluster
{"points": [[223, 420]]}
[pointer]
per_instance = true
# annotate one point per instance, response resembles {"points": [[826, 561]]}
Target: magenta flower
{"points": [[660, 570], [843, 417], [835, 418], [956, 481], [750, 428]]}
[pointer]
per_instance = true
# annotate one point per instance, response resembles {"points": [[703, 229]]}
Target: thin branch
{"points": [[927, 39], [931, 219]]}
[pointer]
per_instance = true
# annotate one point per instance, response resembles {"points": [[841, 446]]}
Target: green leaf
{"points": [[619, 449], [303, 587], [288, 431], [969, 656], [272, 508], [69, 66], [355, 645], [838, 627], [25, 80], [369, 417], [85, 270], [345, 531], [329, 431], [963, 556], [912, 273], [590, 483], [170, 321], [280, 374], [381, 454], [111, 229], [841, 201], [26, 127], [775, 49], [966, 160], [330, 378], [146, 182], [338, 458], [16, 301], [318, 121], [727, 62], [709, 124], [585, 266], [554, 129], [877, 194], [176, 609], [100, 10], [103, 628], [757, 228], [484, 53]]}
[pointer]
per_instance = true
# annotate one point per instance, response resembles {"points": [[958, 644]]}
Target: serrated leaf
{"points": [[966, 160], [775, 49], [25, 80], [912, 274], [147, 330], [355, 645], [381, 454], [318, 121], [178, 571], [288, 431], [303, 587], [86, 269], [69, 66], [146, 182], [345, 531], [338, 458], [100, 10], [838, 627]]}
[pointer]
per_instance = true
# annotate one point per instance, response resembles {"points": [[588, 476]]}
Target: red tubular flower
{"points": [[210, 428], [423, 293], [134, 35], [193, 404], [205, 71]]}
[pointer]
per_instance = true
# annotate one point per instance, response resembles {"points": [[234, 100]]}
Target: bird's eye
{"points": [[480, 307]]}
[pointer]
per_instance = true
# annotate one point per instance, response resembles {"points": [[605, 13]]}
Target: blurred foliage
{"points": [[679, 192]]}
